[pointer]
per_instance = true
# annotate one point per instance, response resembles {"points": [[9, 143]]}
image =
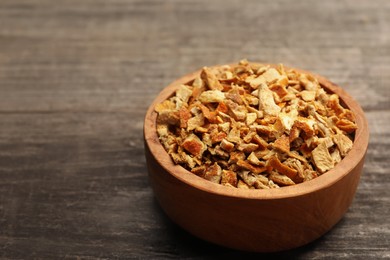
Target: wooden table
{"points": [[76, 78]]}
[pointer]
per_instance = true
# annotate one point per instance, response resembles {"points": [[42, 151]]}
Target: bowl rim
{"points": [[342, 169]]}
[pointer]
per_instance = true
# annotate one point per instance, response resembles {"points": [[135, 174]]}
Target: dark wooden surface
{"points": [[76, 78]]}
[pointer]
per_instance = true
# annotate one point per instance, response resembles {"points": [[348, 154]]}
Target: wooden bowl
{"points": [[254, 220]]}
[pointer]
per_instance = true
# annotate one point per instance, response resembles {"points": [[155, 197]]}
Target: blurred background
{"points": [[76, 78]]}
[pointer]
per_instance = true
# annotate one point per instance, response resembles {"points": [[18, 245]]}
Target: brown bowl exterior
{"points": [[254, 220]]}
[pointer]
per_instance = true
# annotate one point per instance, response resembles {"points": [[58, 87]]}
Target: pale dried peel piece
{"points": [[305, 124], [288, 119], [213, 173], [238, 112], [242, 185], [308, 95], [221, 153], [327, 140], [261, 178], [343, 143], [206, 139], [194, 122], [260, 185], [260, 114], [310, 174], [268, 76], [234, 135], [162, 130], [334, 104], [266, 130], [210, 79], [229, 177], [280, 179], [247, 177], [308, 82], [211, 96], [170, 143], [251, 100], [190, 161], [184, 93], [225, 127], [234, 95], [249, 137], [198, 82], [252, 158], [226, 145], [322, 158], [272, 185], [336, 156], [250, 118], [266, 101]]}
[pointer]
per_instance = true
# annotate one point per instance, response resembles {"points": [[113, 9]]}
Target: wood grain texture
{"points": [[76, 78]]}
